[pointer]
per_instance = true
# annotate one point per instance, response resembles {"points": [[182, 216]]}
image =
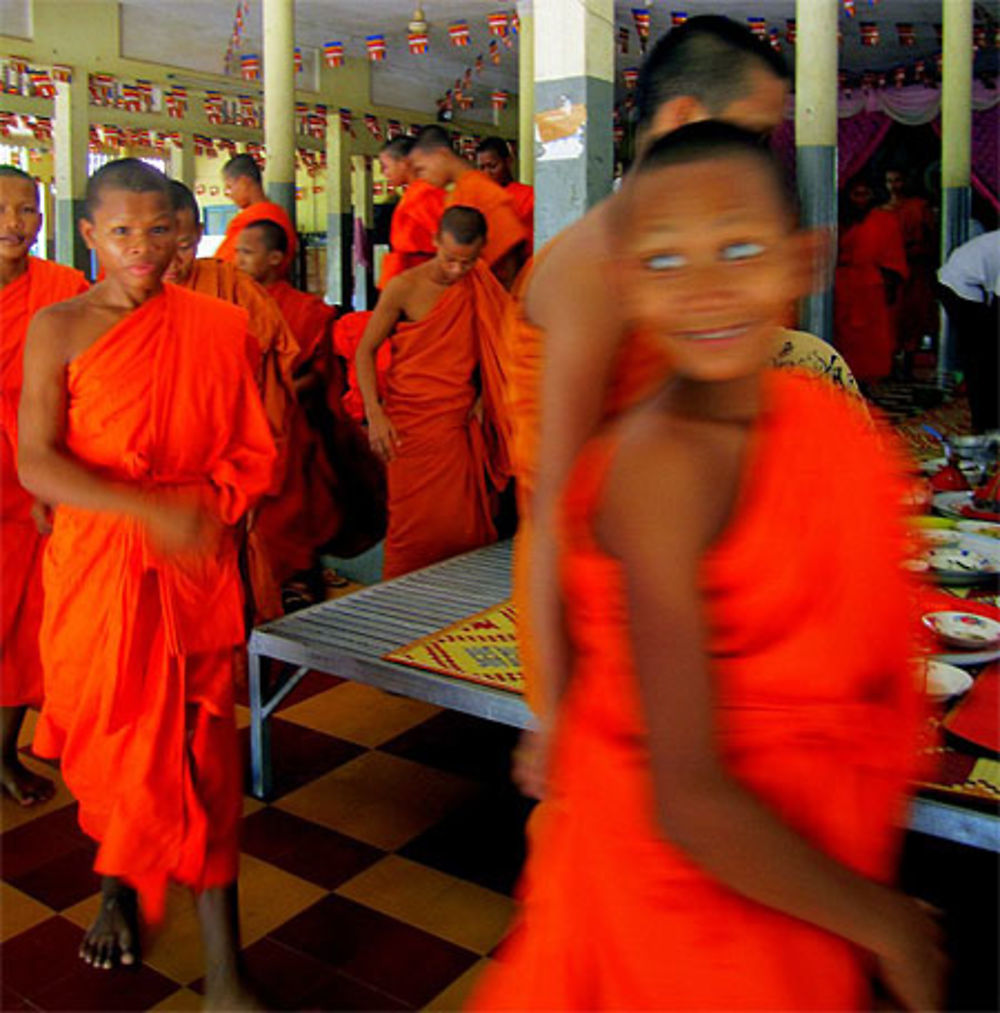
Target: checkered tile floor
{"points": [[379, 877]]}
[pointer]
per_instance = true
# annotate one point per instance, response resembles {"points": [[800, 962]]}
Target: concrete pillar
{"points": [[180, 161], [338, 213], [279, 102], [361, 187], [574, 101], [69, 141], [816, 137], [526, 95]]}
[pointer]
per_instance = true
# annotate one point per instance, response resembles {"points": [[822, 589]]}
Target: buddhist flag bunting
{"points": [[623, 40], [145, 93], [640, 15], [250, 66], [372, 126], [297, 56], [758, 26], [393, 129], [498, 23], [494, 52], [479, 61], [376, 47], [774, 37], [790, 31], [316, 123], [414, 130], [42, 82], [869, 33], [346, 123], [905, 32], [301, 116], [176, 102], [62, 74], [418, 42], [333, 54], [678, 18], [458, 32], [631, 76], [849, 8], [499, 100], [515, 23], [131, 100]]}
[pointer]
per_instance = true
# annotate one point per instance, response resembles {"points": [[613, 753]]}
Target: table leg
{"points": [[260, 730]]}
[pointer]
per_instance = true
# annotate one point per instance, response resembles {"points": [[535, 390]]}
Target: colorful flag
{"points": [[494, 48], [869, 33], [907, 34], [758, 26], [498, 23], [631, 76], [418, 42], [393, 129], [42, 83], [346, 121], [458, 32], [849, 8], [250, 67], [678, 18], [333, 54], [297, 58], [790, 31], [499, 100], [641, 17], [372, 126], [376, 47]]}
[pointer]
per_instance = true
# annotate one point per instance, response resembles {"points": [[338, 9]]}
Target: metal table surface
{"points": [[349, 636]]}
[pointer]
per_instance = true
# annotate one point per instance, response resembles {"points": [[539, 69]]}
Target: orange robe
{"points": [[414, 225], [916, 312], [441, 483], [264, 210], [277, 354], [347, 334], [138, 648], [309, 318], [863, 320], [523, 197], [504, 229], [21, 544], [615, 915]]}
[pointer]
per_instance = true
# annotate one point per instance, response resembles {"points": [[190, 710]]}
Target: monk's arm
{"points": [[507, 267], [51, 473], [388, 310], [700, 807], [570, 299]]}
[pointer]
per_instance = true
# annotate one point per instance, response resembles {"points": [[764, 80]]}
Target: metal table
{"points": [[349, 636]]}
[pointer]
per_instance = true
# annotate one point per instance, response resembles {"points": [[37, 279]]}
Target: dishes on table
{"points": [[956, 558], [951, 504], [987, 529], [941, 681], [964, 629]]}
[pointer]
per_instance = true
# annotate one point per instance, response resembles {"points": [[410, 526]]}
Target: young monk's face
{"points": [[431, 166], [134, 236], [20, 218], [186, 251], [253, 255], [239, 189], [708, 264], [395, 170], [454, 259], [497, 168]]}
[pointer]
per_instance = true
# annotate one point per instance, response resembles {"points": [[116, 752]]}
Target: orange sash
{"points": [[414, 225]]}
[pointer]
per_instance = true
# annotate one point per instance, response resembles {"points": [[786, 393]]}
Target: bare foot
{"points": [[24, 786], [114, 936]]}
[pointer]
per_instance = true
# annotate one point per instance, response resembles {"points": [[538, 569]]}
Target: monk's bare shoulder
{"points": [[572, 270], [64, 329]]}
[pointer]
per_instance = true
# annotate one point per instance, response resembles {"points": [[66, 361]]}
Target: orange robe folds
{"points": [[863, 319], [414, 225], [138, 648], [347, 334], [20, 543], [504, 229], [277, 354], [615, 915], [262, 211], [916, 310], [523, 197], [448, 465], [309, 318]]}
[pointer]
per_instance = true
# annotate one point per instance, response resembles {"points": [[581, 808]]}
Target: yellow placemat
{"points": [[481, 649]]}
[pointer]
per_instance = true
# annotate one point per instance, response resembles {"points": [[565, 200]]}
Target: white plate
{"points": [[949, 504], [964, 629], [938, 537], [986, 529], [971, 560], [941, 682]]}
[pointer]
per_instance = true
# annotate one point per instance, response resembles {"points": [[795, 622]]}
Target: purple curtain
{"points": [[858, 138], [985, 140]]}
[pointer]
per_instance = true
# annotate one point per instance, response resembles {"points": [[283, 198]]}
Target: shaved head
{"points": [[129, 174]]}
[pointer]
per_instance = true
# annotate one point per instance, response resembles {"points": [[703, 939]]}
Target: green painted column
{"points": [[69, 141], [816, 139], [573, 107], [338, 213], [526, 94], [279, 102]]}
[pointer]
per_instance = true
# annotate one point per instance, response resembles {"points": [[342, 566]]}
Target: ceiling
{"points": [[194, 34]]}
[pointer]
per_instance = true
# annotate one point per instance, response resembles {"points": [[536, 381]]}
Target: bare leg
{"points": [[24, 786], [225, 986], [114, 936]]}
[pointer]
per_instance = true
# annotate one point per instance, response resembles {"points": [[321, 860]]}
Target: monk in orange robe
{"points": [[26, 285], [347, 333], [685, 857], [507, 239], [440, 431], [141, 422], [415, 218], [494, 158], [242, 179], [277, 353], [871, 268]]}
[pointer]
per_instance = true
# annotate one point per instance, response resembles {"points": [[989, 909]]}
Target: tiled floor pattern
{"points": [[379, 876]]}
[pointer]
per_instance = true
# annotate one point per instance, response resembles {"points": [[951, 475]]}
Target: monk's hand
{"points": [[382, 435], [913, 963], [178, 524], [41, 514], [477, 411], [530, 762]]}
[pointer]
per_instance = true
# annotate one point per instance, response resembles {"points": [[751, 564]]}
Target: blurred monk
{"points": [[275, 358], [440, 426], [141, 423], [435, 161], [26, 285], [570, 318], [415, 218], [494, 158], [242, 179]]}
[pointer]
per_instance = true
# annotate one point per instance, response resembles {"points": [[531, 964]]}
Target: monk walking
{"points": [[244, 188], [440, 426], [274, 365], [685, 857], [27, 284], [141, 422], [507, 242], [494, 158], [415, 218]]}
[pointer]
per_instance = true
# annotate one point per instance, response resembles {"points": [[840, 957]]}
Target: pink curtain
{"points": [[984, 153]]}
